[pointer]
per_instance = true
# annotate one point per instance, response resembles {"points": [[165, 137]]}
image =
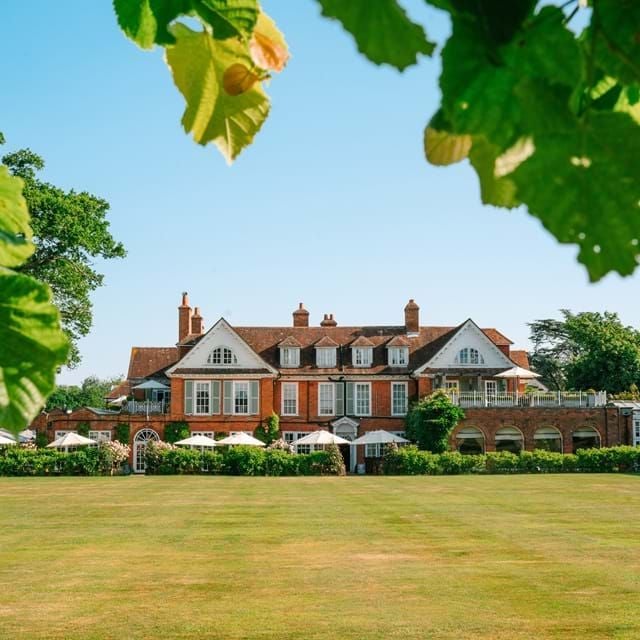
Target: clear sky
{"points": [[333, 204]]}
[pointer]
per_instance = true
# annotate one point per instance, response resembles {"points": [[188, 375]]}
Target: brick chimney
{"points": [[184, 317], [328, 321], [412, 318], [301, 317], [197, 323]]}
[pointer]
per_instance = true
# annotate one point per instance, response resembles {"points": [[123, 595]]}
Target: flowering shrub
{"points": [[282, 445]]}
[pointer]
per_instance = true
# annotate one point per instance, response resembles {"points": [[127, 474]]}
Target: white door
{"points": [[490, 391], [142, 439]]}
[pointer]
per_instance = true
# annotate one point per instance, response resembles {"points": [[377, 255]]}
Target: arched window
{"points": [[222, 355], [469, 355], [585, 438], [509, 439], [548, 438], [470, 441], [140, 442]]}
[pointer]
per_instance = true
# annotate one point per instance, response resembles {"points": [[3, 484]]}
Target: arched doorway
{"points": [[585, 438], [470, 441], [140, 442], [347, 428], [509, 439], [548, 438]]}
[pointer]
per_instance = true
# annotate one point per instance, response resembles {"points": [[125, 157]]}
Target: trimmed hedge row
{"points": [[242, 461], [411, 461], [89, 461]]}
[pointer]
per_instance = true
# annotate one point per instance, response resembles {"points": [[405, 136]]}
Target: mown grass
{"points": [[491, 557]]}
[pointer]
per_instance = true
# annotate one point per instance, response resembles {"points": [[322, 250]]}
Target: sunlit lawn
{"points": [[187, 557]]}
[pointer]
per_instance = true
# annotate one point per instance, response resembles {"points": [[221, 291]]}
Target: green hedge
{"points": [[89, 461], [241, 461], [411, 461]]}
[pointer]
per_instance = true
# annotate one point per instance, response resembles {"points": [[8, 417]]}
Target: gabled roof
{"points": [[361, 341], [399, 341], [325, 341], [122, 389], [289, 341], [145, 361], [520, 358]]}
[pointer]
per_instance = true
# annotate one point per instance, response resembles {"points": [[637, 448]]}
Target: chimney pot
{"points": [[184, 317], [328, 321], [197, 323], [300, 316]]}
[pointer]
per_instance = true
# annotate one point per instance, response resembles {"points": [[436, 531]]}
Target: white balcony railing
{"points": [[146, 407], [542, 399]]}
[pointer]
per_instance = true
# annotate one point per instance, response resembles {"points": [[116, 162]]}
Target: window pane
{"points": [[202, 397], [241, 397], [399, 397], [362, 399], [326, 404]]}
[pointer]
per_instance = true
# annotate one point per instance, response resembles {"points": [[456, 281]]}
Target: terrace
{"points": [[536, 399]]}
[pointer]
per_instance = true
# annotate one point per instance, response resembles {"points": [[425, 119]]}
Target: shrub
{"points": [[502, 462], [41, 440], [430, 421], [212, 462], [83, 429], [278, 462], [123, 432], [244, 461], [175, 431], [268, 431], [454, 463]]}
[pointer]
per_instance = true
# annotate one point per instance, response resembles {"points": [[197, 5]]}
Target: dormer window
{"points": [[325, 357], [469, 355], [289, 356], [398, 356], [362, 356], [222, 356]]}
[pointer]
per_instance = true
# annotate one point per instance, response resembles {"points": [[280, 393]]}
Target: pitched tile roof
{"points": [[289, 341], [122, 389], [399, 341], [219, 371], [145, 361], [361, 341], [326, 341], [521, 358]]}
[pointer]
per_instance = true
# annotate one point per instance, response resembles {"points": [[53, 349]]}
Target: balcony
{"points": [[146, 407], [537, 399]]}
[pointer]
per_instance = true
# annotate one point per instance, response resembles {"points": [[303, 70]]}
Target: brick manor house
{"points": [[348, 380]]}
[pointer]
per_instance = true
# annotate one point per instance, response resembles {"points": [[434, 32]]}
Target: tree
{"points": [[431, 420], [586, 351], [91, 393], [269, 430], [70, 229]]}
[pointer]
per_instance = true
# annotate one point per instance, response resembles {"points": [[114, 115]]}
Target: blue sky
{"points": [[333, 205]]}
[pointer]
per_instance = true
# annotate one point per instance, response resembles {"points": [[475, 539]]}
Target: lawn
{"points": [[348, 558]]}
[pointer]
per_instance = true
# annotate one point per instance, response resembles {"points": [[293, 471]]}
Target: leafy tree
{"points": [[586, 351], [91, 393], [547, 115], [175, 431], [269, 430], [70, 230], [123, 432], [430, 422]]}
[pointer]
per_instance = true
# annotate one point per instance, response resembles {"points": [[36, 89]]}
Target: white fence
{"points": [[542, 399], [146, 406]]}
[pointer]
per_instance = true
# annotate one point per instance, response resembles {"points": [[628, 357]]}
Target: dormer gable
{"points": [[468, 348], [220, 350], [289, 352], [326, 353], [362, 352], [398, 352]]}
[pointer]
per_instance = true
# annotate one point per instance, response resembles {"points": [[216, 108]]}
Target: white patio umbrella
{"points": [[151, 384], [518, 372], [320, 438], [5, 440], [71, 440], [199, 441], [379, 437], [241, 439]]}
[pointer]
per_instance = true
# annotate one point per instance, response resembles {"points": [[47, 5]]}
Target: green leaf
{"points": [[198, 64], [228, 18], [628, 102], [583, 185], [497, 190], [146, 22], [441, 147], [617, 26], [381, 29], [32, 346], [15, 232]]}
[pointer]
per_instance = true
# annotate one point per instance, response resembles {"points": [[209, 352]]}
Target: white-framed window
{"points": [[291, 436], [326, 399], [303, 448], [59, 434], [206, 434], [289, 398], [100, 436], [289, 356], [362, 398], [374, 450], [362, 356], [399, 398], [398, 356], [222, 356], [452, 385], [636, 428], [325, 357], [240, 397], [469, 355], [202, 391]]}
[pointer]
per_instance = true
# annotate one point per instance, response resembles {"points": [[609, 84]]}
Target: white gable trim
{"points": [[456, 342], [221, 334]]}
